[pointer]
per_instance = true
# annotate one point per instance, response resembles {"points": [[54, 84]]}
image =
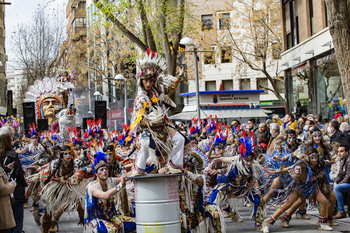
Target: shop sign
{"points": [[115, 114], [3, 111]]}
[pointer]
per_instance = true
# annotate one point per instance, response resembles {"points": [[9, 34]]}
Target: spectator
{"points": [[11, 164], [342, 182], [263, 129], [346, 119], [318, 120], [345, 129], [337, 113], [274, 131], [335, 134], [298, 110], [340, 119], [235, 123], [7, 221], [253, 127]]}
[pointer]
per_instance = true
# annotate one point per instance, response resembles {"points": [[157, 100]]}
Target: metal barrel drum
{"points": [[157, 203]]}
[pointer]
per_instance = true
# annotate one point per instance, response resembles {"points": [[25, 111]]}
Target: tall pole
{"points": [[196, 80], [125, 103]]}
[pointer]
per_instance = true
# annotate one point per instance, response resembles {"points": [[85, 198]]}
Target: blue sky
{"points": [[22, 10]]}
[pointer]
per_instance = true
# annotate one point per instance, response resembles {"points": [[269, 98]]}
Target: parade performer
{"points": [[150, 102], [308, 173], [101, 215], [240, 181], [57, 191], [67, 84], [46, 97], [196, 214]]}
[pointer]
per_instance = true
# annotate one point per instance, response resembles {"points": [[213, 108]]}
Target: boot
{"points": [[36, 214], [285, 221], [236, 218], [81, 215], [301, 214], [52, 227], [331, 222], [46, 227], [322, 224], [266, 223], [226, 214]]}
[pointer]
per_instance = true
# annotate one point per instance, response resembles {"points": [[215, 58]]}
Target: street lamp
{"points": [[121, 77], [97, 94], [187, 41]]}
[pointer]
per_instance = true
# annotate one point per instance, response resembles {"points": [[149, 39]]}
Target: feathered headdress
{"points": [[211, 125], [41, 90], [93, 127], [221, 135], [71, 73], [246, 145], [33, 130], [152, 65], [99, 161], [195, 126], [73, 135]]}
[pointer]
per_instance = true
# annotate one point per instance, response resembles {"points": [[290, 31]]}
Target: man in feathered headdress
{"points": [[46, 97], [149, 110]]}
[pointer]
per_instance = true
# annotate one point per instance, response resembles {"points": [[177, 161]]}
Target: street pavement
{"points": [[68, 223]]}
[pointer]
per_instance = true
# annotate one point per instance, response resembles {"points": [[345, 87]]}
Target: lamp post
{"points": [[109, 117], [121, 77], [188, 41], [97, 94]]}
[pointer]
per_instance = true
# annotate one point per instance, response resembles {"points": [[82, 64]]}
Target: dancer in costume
{"points": [[308, 172], [196, 214], [58, 192], [240, 181], [101, 215], [152, 97], [67, 84]]}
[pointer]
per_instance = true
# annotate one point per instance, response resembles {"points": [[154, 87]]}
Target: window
{"points": [[226, 56], [244, 84], [210, 85], [311, 8], [327, 17], [79, 22], [224, 21], [207, 22], [262, 83], [209, 58], [291, 24], [227, 85], [280, 86]]}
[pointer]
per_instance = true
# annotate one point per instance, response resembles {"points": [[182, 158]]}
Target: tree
{"points": [[36, 44], [157, 24], [339, 26], [252, 37]]}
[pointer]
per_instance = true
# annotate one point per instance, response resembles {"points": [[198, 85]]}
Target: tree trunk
{"points": [[340, 30]]}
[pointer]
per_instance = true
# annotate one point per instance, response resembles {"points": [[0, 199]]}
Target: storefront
{"points": [[316, 84], [226, 105]]}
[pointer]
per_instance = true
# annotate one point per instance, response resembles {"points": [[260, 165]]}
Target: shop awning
{"points": [[221, 114]]}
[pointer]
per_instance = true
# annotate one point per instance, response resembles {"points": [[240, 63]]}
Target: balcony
{"points": [[72, 4]]}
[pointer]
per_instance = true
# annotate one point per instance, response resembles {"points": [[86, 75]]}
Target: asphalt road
{"points": [[68, 223]]}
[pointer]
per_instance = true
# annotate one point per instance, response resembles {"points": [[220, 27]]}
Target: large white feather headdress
{"points": [[47, 87]]}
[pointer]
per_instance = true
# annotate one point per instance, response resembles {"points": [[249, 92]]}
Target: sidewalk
{"points": [[68, 223]]}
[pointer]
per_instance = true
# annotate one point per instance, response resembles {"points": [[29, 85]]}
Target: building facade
{"points": [[311, 71], [3, 58], [222, 73], [15, 80]]}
